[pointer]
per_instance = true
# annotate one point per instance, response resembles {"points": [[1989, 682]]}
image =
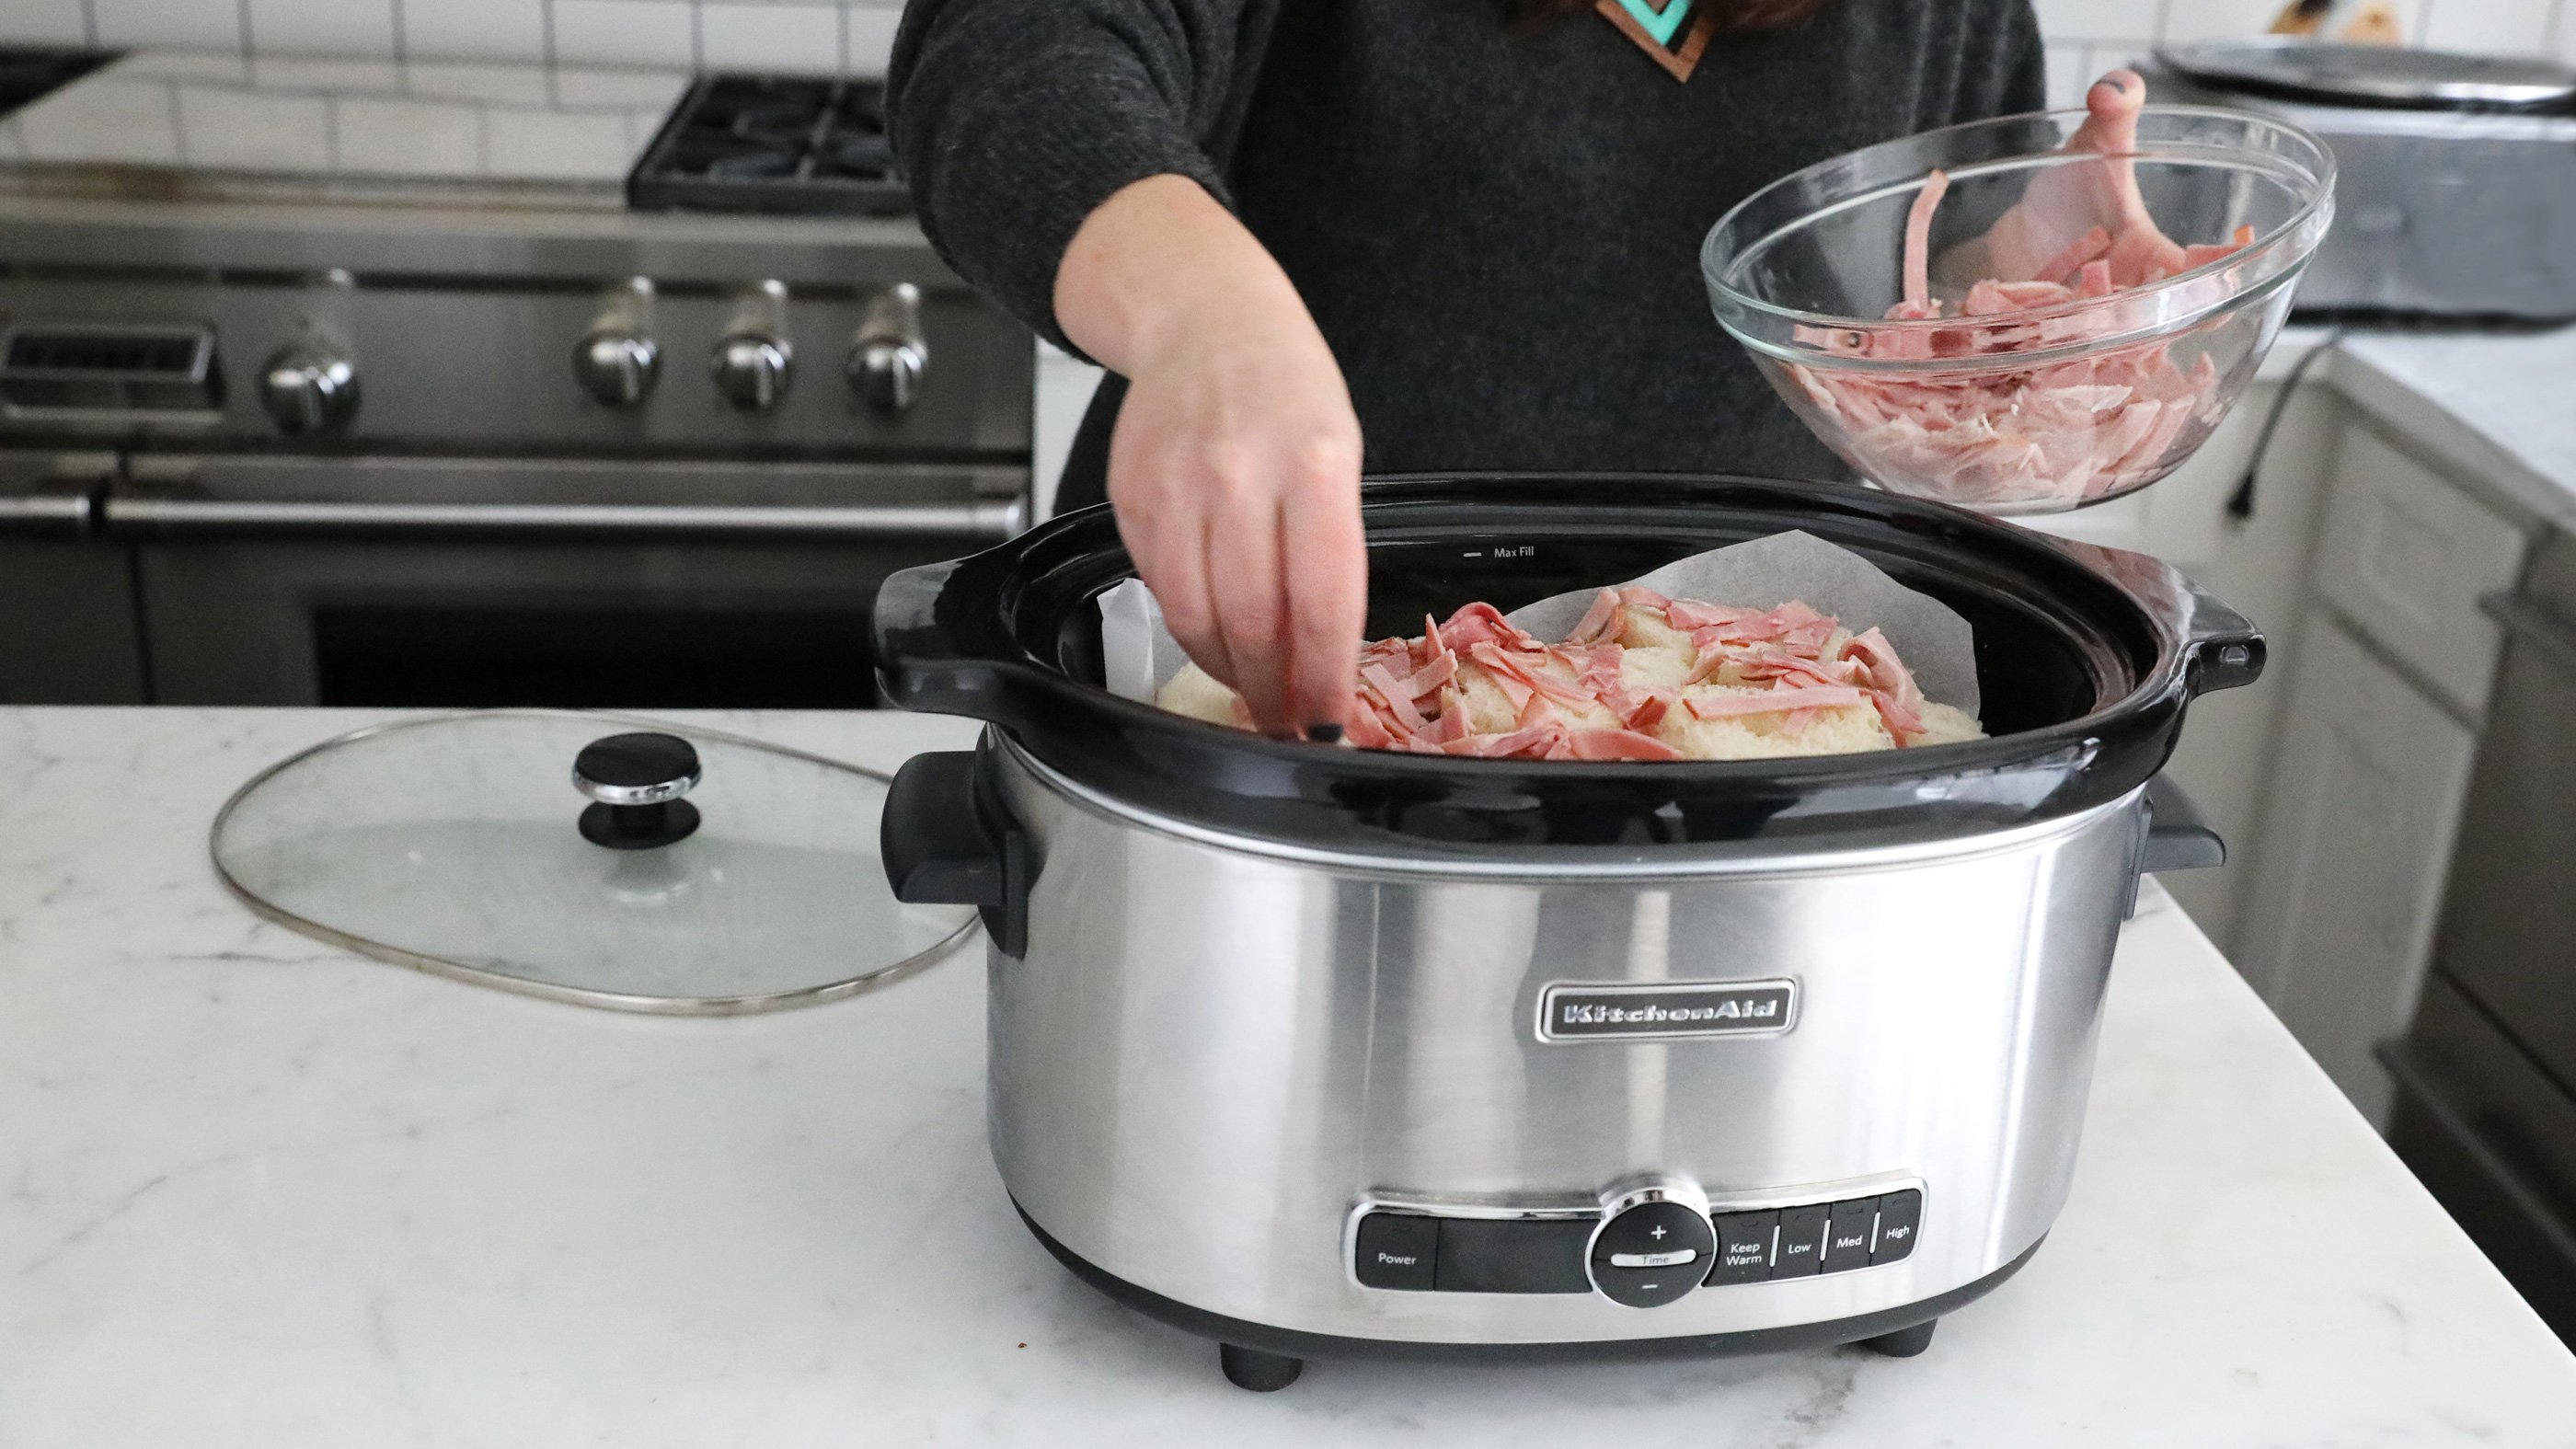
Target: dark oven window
{"points": [[594, 659]]}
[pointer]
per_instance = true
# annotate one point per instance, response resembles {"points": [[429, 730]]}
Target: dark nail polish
{"points": [[1324, 734]]}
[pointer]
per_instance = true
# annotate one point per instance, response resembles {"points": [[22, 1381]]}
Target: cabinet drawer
{"points": [[2406, 555]]}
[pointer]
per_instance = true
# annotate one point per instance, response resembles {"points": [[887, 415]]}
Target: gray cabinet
{"points": [[2369, 764], [2349, 868]]}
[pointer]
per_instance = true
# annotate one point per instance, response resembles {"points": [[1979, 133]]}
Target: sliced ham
{"points": [[1597, 620], [1619, 745], [1576, 701], [2007, 437], [1918, 238]]}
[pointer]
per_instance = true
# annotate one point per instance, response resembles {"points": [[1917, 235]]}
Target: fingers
{"points": [[1166, 537], [1246, 588], [2112, 123], [1325, 555]]}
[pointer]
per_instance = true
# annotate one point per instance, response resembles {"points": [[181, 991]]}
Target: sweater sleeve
{"points": [[2024, 77], [1015, 118]]}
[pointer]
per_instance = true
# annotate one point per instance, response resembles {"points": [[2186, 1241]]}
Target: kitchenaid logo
{"points": [[1577, 1012]]}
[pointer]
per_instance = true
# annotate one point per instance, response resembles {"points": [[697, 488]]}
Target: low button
{"points": [[1397, 1250], [1645, 1257], [1900, 1218], [1847, 1234], [1802, 1240]]}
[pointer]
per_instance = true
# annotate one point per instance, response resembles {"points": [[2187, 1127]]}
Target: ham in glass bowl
{"points": [[2006, 316]]}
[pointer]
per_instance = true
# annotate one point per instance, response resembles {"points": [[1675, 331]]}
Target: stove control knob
{"points": [[1652, 1247], [889, 355], [752, 370], [309, 389], [616, 367]]}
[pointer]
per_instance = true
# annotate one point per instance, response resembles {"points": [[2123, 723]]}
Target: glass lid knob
{"points": [[635, 782]]}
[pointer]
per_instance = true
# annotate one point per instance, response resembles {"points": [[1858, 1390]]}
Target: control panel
{"points": [[1642, 1248]]}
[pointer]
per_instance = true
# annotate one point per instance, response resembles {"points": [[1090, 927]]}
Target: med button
{"points": [[1397, 1250], [1847, 1234], [1651, 1254]]}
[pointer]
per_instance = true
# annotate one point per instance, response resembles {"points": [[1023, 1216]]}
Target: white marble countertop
{"points": [[256, 1193], [2499, 407]]}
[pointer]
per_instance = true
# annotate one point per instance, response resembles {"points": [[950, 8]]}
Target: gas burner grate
{"points": [[773, 144]]}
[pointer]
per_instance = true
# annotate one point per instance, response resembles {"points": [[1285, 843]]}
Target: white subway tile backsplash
{"points": [[625, 32], [543, 145], [214, 65], [396, 137], [651, 91], [46, 22], [871, 37], [324, 73], [322, 27], [2070, 70], [111, 119], [474, 30], [252, 131], [2216, 19], [169, 24], [2086, 36], [451, 80], [2490, 27], [769, 37], [2096, 19]]}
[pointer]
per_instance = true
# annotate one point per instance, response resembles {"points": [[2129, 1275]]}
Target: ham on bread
{"points": [[1642, 677]]}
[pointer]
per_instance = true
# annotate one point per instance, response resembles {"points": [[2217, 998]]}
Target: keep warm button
{"points": [[1397, 1250]]}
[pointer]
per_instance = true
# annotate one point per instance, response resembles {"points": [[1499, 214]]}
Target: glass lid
{"points": [[590, 858]]}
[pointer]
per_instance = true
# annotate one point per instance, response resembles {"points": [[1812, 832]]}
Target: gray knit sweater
{"points": [[1497, 232]]}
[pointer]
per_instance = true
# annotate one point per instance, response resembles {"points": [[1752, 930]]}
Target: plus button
{"points": [[1656, 1232]]}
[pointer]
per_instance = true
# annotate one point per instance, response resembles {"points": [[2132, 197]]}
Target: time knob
{"points": [[309, 388], [752, 369], [617, 367]]}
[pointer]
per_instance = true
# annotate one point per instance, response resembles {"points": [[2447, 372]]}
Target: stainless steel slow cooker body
{"points": [[1216, 1060], [1319, 1051]]}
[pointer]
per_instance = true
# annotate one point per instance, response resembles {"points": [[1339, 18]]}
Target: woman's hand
{"points": [[2065, 203], [1234, 470]]}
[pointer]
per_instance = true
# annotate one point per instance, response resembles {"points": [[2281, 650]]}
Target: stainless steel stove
{"points": [[362, 383], [793, 144]]}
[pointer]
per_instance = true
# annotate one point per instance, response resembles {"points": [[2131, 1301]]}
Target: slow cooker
{"points": [[1316, 1051]]}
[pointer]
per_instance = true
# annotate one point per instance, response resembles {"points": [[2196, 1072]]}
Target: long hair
{"points": [[1734, 17]]}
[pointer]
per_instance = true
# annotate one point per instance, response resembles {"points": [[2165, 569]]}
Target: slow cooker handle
{"points": [[2221, 648], [2226, 649], [942, 645], [2179, 837], [940, 849]]}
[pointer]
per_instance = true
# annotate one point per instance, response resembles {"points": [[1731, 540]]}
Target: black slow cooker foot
{"points": [[1904, 1342], [1263, 1373]]}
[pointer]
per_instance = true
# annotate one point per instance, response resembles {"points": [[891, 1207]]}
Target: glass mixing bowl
{"points": [[2055, 401]]}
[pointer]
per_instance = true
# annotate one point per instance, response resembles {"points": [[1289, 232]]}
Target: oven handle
{"points": [[994, 519]]}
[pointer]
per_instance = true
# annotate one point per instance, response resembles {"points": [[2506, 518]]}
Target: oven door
{"points": [[576, 583], [67, 626]]}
